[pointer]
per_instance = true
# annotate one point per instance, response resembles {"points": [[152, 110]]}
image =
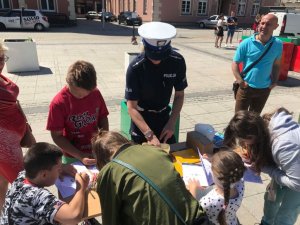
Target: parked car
{"points": [[24, 19], [129, 18], [57, 19], [211, 22], [90, 15], [108, 17]]}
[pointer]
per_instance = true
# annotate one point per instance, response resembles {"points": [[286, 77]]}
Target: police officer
{"points": [[150, 80]]}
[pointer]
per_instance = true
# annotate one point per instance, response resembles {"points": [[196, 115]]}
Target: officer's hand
{"points": [[166, 133], [154, 141]]}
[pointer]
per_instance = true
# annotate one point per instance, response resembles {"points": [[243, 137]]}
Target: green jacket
{"points": [[126, 199]]}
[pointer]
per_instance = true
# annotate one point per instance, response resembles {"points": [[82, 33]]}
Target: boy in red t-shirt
{"points": [[76, 113]]}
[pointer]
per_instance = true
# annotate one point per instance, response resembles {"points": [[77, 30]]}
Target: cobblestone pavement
{"points": [[208, 98]]}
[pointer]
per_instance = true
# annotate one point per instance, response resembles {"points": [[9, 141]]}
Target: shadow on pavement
{"points": [[42, 71], [290, 82], [95, 27]]}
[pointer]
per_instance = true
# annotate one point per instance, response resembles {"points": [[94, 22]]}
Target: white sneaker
{"points": [[231, 46], [226, 45]]}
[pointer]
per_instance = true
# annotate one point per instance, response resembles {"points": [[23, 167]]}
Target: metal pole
{"points": [[103, 18]]}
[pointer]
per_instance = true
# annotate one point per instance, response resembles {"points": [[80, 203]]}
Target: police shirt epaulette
{"points": [[138, 62], [175, 55]]}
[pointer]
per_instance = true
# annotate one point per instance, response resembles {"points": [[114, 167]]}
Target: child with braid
{"points": [[222, 202]]}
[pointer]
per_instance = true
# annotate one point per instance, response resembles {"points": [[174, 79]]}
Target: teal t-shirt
{"points": [[249, 51]]}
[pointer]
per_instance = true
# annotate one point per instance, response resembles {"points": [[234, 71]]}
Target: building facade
{"points": [[172, 11], [59, 6], [189, 11]]}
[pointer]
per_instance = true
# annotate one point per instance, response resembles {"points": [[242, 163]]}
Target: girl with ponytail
{"points": [[222, 202]]}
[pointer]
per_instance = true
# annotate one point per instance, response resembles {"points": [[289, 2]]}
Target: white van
{"points": [[289, 24]]}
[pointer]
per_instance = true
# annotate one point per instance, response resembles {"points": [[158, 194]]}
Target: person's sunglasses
{"points": [[5, 58]]}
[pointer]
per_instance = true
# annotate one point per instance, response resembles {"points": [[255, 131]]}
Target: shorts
{"points": [[220, 32], [230, 32]]}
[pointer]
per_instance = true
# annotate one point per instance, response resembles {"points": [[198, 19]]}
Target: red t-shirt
{"points": [[77, 118]]}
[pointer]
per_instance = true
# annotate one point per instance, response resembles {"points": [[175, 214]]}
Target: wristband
{"points": [[149, 135]]}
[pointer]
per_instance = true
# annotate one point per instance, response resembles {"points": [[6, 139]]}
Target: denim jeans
{"points": [[284, 210]]}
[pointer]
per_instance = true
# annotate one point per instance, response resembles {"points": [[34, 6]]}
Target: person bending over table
{"points": [[128, 199], [273, 147], [150, 80], [76, 113]]}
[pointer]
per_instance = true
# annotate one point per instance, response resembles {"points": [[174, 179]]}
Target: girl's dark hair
{"points": [[245, 124], [228, 168], [82, 74], [105, 144], [41, 156]]}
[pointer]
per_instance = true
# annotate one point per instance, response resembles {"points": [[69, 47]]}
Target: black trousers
{"points": [[156, 122]]}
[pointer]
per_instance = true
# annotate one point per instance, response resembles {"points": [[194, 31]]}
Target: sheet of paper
{"points": [[206, 167], [67, 186], [194, 171]]}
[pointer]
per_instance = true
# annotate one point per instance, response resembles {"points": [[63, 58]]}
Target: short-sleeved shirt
{"points": [[29, 204], [77, 118], [220, 23], [213, 202], [231, 19], [152, 85], [249, 51]]}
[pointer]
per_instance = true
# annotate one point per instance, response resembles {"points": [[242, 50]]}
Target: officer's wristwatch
{"points": [[149, 135]]}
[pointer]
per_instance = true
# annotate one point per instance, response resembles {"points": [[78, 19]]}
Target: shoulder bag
{"points": [[203, 220], [236, 85]]}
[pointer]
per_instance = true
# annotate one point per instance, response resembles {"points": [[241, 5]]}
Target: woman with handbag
{"points": [[138, 184], [13, 130]]}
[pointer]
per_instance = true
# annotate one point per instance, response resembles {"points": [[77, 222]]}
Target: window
{"points": [[14, 14], [255, 7], [145, 7], [202, 7], [47, 5], [186, 7], [241, 8], [28, 13], [4, 4]]}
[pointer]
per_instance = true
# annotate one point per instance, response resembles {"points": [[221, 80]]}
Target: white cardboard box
{"points": [[22, 55]]}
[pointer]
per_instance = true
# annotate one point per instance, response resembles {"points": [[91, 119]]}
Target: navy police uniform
{"points": [[152, 85], [150, 80]]}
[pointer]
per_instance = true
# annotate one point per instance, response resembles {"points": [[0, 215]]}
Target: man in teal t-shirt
{"points": [[257, 84]]}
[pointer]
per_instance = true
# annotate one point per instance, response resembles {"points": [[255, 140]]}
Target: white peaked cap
{"points": [[157, 33]]}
